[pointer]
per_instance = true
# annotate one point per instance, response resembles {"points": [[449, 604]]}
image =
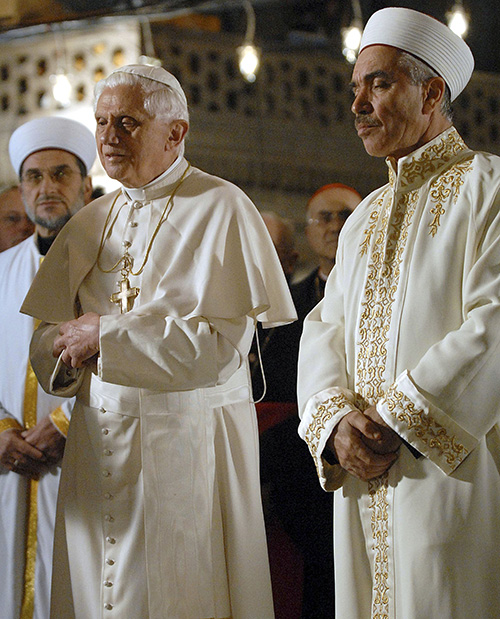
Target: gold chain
{"points": [[126, 260]]}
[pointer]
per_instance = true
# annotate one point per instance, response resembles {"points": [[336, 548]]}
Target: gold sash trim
{"points": [[30, 404], [8, 423], [60, 421]]}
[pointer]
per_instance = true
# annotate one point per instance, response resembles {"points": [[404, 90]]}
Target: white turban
{"points": [[52, 132], [155, 74], [427, 39]]}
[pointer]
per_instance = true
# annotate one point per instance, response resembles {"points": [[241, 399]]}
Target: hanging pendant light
{"points": [[248, 53], [458, 20], [351, 36]]}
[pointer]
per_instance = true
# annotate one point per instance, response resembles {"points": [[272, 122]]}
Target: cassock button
{"points": [[137, 205], [111, 540], [133, 224], [106, 473], [110, 561], [107, 583], [108, 495], [108, 452], [108, 606], [105, 431], [109, 518], [102, 409]]}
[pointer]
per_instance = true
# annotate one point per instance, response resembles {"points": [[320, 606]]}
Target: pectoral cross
{"points": [[125, 297]]}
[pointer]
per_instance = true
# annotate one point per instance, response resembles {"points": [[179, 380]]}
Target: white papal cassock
{"points": [[160, 513], [411, 321], [27, 508]]}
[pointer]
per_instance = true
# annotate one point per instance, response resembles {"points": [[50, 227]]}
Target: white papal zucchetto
{"points": [[155, 74], [52, 132], [427, 39]]}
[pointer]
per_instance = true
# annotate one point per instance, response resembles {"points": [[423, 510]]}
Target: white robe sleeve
{"points": [[171, 354], [322, 363], [54, 377]]}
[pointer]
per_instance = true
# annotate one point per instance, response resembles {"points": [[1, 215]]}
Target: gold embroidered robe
{"points": [[411, 322]]}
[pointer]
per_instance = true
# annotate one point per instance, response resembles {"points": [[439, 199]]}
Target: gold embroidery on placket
{"points": [[380, 293]]}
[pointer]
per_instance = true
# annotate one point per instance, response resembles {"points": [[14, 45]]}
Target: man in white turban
{"points": [[52, 157], [398, 369], [149, 300]]}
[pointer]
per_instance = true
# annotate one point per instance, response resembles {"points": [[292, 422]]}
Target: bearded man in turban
{"points": [[52, 157]]}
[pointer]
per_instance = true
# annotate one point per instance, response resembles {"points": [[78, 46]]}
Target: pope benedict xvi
{"points": [[149, 301]]}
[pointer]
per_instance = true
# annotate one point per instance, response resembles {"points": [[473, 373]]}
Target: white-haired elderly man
{"points": [[149, 300], [52, 157], [401, 408]]}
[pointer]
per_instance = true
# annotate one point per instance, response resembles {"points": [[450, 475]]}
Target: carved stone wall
{"points": [[27, 64]]}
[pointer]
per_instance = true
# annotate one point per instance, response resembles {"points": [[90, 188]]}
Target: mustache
{"points": [[48, 197], [366, 121]]}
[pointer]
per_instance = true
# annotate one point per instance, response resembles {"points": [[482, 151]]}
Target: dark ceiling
{"points": [[282, 23]]}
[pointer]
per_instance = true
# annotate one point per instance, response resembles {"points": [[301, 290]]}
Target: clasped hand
{"points": [[30, 452], [78, 340], [364, 444]]}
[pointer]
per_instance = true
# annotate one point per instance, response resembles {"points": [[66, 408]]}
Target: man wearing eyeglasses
{"points": [[327, 211], [52, 157], [15, 225], [297, 505]]}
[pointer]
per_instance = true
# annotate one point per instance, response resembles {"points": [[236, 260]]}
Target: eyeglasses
{"points": [[326, 217]]}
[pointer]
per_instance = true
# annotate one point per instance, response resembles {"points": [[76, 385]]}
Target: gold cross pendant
{"points": [[126, 296]]}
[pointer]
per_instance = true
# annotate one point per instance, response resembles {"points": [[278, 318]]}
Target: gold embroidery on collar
{"points": [[425, 429], [446, 185], [431, 159]]}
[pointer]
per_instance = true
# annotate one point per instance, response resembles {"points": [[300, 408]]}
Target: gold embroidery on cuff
{"points": [[60, 420], [8, 423], [324, 413], [424, 428]]}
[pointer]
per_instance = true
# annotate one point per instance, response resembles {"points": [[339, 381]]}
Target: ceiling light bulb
{"points": [[249, 60], [458, 20], [61, 88], [351, 39]]}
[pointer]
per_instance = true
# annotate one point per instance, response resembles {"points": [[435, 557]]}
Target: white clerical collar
{"points": [[139, 193]]}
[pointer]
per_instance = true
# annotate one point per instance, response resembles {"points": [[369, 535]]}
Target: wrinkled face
{"points": [[52, 189], [327, 213], [387, 105], [133, 146], [14, 223]]}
